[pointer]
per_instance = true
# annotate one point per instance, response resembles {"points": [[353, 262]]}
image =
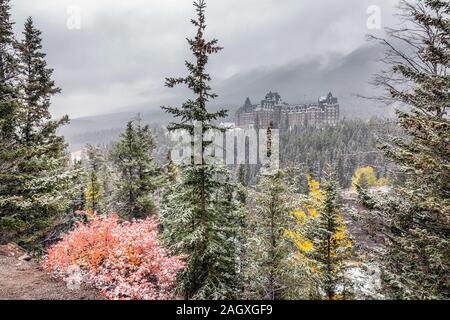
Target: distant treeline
{"points": [[350, 145]]}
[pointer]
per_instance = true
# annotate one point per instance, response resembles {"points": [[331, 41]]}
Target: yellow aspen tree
{"points": [[365, 178], [323, 246]]}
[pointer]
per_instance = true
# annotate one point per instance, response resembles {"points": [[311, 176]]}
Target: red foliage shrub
{"points": [[123, 260]]}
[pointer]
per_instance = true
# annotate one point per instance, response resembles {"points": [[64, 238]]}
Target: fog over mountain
{"points": [[345, 75], [114, 65], [119, 56], [297, 82]]}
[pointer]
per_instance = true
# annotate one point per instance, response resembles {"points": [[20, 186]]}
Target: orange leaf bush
{"points": [[123, 260]]}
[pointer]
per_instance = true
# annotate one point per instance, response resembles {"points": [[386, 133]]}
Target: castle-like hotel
{"points": [[280, 115]]}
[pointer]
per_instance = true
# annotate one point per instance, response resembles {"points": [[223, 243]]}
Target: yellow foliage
{"points": [[340, 238], [300, 215], [314, 248], [383, 182], [364, 177], [311, 211], [315, 192], [305, 246], [312, 208]]}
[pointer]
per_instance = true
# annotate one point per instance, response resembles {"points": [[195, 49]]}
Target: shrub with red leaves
{"points": [[123, 260]]}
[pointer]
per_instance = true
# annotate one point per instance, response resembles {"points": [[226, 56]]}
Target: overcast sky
{"points": [[124, 49]]}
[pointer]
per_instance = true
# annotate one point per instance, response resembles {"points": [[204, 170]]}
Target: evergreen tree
{"points": [[37, 88], [242, 192], [34, 190], [97, 184], [138, 174], [10, 153], [210, 243], [416, 215], [166, 201], [199, 219], [78, 196], [93, 193], [267, 248], [332, 246], [9, 65], [171, 169], [322, 241]]}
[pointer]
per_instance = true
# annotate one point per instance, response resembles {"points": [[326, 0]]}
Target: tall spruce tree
{"points": [[267, 248], [93, 193], [34, 191], [416, 215], [138, 175], [78, 196], [97, 187], [37, 88], [331, 245], [10, 153], [45, 173], [9, 64], [323, 245], [9, 72], [199, 220], [242, 184]]}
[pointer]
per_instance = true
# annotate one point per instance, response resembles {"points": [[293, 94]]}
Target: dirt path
{"points": [[23, 280]]}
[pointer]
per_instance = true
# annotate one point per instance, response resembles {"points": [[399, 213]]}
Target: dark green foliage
{"points": [[9, 64], [33, 178], [416, 215], [267, 247], [199, 218], [78, 196], [98, 179], [332, 246], [242, 193], [37, 88], [137, 180], [209, 239]]}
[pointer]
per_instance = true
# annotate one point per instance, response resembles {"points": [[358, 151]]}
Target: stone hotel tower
{"points": [[272, 110]]}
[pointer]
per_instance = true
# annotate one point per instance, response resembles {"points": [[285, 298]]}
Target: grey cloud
{"points": [[125, 49]]}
